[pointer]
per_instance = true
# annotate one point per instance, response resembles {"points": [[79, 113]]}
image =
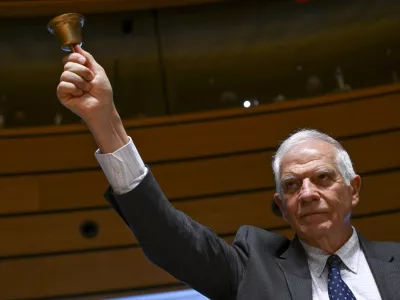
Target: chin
{"points": [[316, 229]]}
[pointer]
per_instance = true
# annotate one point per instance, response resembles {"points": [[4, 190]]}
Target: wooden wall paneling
{"points": [[374, 152], [202, 137], [384, 228], [117, 269], [80, 273], [378, 193], [52, 192], [47, 153], [60, 232], [328, 99], [267, 130], [19, 194], [192, 178]]}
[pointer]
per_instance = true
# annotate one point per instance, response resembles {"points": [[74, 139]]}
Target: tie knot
{"points": [[334, 261]]}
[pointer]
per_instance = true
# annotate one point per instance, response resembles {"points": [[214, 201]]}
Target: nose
{"points": [[308, 191]]}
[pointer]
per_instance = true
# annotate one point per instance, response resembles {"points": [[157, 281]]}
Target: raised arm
{"points": [[170, 239]]}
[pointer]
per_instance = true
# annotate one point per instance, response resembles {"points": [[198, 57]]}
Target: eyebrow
{"points": [[288, 177], [327, 170], [317, 170]]}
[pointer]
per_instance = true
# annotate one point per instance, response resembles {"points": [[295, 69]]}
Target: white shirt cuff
{"points": [[123, 168]]}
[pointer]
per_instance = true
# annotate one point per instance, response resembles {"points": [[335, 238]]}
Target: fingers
{"points": [[79, 70], [74, 57], [77, 74], [90, 61], [75, 79], [82, 57], [67, 90], [75, 63]]}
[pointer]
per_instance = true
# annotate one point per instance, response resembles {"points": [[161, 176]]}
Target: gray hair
{"points": [[343, 161]]}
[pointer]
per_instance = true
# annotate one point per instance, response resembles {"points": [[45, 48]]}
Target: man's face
{"points": [[316, 200]]}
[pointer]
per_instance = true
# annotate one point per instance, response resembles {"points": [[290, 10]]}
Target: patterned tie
{"points": [[337, 288]]}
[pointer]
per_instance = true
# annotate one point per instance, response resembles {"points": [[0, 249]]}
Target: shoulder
{"points": [[383, 247], [380, 249], [259, 239]]}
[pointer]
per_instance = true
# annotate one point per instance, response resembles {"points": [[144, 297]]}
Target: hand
{"points": [[84, 87], [85, 90]]}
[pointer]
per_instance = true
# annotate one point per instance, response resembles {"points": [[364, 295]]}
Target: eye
{"points": [[323, 176], [290, 185]]}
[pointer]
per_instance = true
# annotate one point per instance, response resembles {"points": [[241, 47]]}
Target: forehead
{"points": [[308, 155]]}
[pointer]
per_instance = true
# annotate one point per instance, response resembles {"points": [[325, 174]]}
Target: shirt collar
{"points": [[349, 254]]}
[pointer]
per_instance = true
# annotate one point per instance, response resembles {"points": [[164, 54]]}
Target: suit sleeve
{"points": [[187, 250]]}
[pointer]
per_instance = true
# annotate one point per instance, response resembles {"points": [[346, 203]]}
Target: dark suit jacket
{"points": [[258, 265]]}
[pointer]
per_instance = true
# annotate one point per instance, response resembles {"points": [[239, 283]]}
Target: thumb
{"points": [[91, 63]]}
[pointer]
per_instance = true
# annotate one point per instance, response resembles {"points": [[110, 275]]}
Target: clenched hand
{"points": [[84, 87]]}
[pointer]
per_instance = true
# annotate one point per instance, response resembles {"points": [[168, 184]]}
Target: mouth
{"points": [[313, 213]]}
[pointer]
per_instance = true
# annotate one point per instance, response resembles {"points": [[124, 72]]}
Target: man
{"points": [[316, 192]]}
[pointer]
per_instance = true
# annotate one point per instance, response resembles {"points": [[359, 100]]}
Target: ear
{"points": [[355, 184], [281, 204]]}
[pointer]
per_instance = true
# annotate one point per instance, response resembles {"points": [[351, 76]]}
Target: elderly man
{"points": [[316, 192]]}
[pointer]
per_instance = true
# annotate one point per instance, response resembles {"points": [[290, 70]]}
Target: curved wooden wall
{"points": [[214, 166]]}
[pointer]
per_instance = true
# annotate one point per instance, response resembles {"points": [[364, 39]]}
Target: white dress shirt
{"points": [[355, 270], [125, 169]]}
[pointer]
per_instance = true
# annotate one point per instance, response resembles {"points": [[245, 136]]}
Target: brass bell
{"points": [[68, 29]]}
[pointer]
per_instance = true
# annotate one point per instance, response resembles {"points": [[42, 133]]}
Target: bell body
{"points": [[68, 29]]}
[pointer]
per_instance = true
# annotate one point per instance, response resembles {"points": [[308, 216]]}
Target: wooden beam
{"points": [[55, 7]]}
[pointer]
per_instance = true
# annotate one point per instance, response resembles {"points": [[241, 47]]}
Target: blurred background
{"points": [[175, 60], [207, 89]]}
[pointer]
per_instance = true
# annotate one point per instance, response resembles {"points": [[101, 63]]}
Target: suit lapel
{"points": [[293, 263], [384, 267], [384, 264]]}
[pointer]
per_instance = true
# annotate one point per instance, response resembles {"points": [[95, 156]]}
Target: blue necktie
{"points": [[337, 288]]}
